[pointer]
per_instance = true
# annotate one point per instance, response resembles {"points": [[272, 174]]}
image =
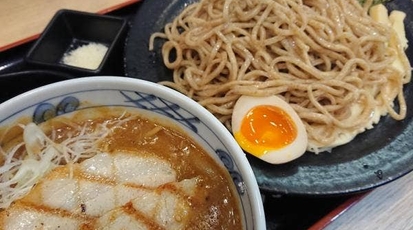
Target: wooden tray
{"points": [[23, 21]]}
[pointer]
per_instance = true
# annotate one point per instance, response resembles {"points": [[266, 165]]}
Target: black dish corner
{"points": [[70, 29]]}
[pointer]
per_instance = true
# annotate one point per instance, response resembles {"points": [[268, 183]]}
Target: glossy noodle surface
{"points": [[339, 69]]}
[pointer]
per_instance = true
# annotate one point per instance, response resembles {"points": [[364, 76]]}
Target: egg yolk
{"points": [[266, 128]]}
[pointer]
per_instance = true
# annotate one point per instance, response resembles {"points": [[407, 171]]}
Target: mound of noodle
{"points": [[327, 58]]}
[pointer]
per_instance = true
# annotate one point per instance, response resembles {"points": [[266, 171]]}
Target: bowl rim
{"points": [[34, 96]]}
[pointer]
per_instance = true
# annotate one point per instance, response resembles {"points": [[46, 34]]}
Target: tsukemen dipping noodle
{"points": [[338, 64], [111, 168]]}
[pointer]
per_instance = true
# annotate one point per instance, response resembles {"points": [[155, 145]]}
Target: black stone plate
{"points": [[373, 158]]}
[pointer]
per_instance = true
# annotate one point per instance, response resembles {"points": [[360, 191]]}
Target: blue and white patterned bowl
{"points": [[64, 97]]}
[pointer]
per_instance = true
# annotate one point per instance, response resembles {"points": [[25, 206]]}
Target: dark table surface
{"points": [[282, 212]]}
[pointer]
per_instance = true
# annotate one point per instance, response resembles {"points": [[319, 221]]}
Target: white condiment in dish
{"points": [[87, 56]]}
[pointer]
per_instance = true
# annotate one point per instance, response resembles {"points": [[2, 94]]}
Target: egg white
{"points": [[276, 156]]}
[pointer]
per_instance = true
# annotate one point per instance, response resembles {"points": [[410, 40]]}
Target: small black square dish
{"points": [[80, 43]]}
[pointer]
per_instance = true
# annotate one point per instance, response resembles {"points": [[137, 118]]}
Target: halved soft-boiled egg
{"points": [[269, 128]]}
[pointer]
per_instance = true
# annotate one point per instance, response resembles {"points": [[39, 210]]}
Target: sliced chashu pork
{"points": [[167, 207], [82, 193], [130, 168], [22, 216]]}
